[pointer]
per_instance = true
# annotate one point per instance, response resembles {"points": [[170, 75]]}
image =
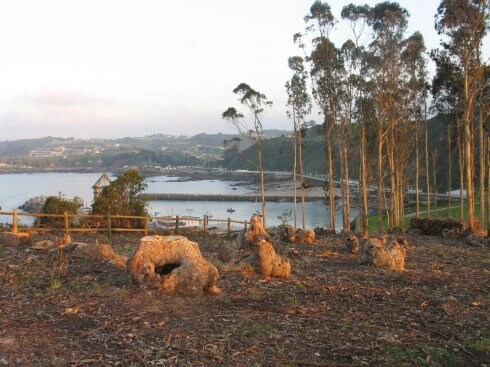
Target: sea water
{"points": [[15, 189]]}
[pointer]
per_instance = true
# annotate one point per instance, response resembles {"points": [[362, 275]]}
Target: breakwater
{"points": [[223, 197]]}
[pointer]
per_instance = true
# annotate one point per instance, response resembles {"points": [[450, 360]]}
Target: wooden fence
{"points": [[82, 223]]}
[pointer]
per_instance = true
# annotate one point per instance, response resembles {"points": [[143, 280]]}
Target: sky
{"points": [[116, 68]]}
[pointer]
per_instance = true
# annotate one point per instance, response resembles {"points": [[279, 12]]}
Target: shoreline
{"points": [[277, 185]]}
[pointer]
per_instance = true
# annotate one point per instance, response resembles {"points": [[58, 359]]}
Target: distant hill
{"points": [[153, 150], [204, 149]]}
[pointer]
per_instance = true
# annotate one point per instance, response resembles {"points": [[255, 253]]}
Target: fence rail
{"points": [[69, 223]]}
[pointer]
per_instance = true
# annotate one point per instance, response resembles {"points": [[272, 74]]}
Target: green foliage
{"points": [[285, 217], [122, 197], [59, 205]]}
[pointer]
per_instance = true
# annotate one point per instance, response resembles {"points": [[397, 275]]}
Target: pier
{"points": [[223, 197]]}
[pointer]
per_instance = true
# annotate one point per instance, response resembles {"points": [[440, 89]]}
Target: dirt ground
{"points": [[59, 310]]}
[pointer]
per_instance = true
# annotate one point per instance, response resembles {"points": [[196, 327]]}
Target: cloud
{"points": [[59, 112]]}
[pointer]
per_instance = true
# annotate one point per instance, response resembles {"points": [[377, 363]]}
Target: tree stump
{"points": [[303, 237], [438, 226], [352, 242], [172, 264], [267, 262], [297, 235], [255, 233], [383, 253], [98, 251]]}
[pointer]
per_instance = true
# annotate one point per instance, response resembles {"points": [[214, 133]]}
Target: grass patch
{"points": [[410, 212], [482, 343], [425, 357], [56, 284], [256, 329]]}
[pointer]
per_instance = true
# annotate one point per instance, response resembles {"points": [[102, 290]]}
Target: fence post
{"points": [[146, 225], [177, 224], [109, 228], [14, 221], [229, 228], [67, 229], [205, 223], [245, 222]]}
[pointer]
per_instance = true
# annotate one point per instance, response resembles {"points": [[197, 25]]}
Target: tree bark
{"points": [[363, 178], [427, 160], [417, 169], [467, 147], [435, 182], [262, 185], [294, 172], [482, 164], [450, 168], [300, 148], [461, 176], [380, 176], [488, 185], [331, 187]]}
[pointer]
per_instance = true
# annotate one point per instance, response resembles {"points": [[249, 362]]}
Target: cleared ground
{"points": [[65, 311]]}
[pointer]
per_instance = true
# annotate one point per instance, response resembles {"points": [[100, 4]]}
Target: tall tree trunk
{"points": [[380, 177], [347, 193], [417, 168], [295, 182], [469, 176], [363, 177], [331, 187], [468, 153], [262, 186], [345, 183], [450, 163], [427, 160], [488, 185], [482, 164], [435, 182], [461, 176], [342, 183], [302, 176], [392, 217]]}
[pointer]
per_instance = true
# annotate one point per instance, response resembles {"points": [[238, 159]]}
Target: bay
{"points": [[15, 189]]}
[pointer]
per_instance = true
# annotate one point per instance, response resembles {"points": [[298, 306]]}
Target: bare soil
{"points": [[60, 310]]}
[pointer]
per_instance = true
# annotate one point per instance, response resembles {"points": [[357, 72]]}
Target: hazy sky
{"points": [[115, 68]]}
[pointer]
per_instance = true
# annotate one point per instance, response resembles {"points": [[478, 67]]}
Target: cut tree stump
{"points": [[439, 226], [98, 251], [255, 233], [297, 235], [351, 242], [267, 262], [173, 264], [383, 253]]}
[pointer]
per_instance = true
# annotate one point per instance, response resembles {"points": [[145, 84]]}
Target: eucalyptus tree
{"points": [[389, 23], [358, 16], [485, 108], [300, 104], [447, 91], [325, 67], [415, 68], [465, 23], [256, 103]]}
